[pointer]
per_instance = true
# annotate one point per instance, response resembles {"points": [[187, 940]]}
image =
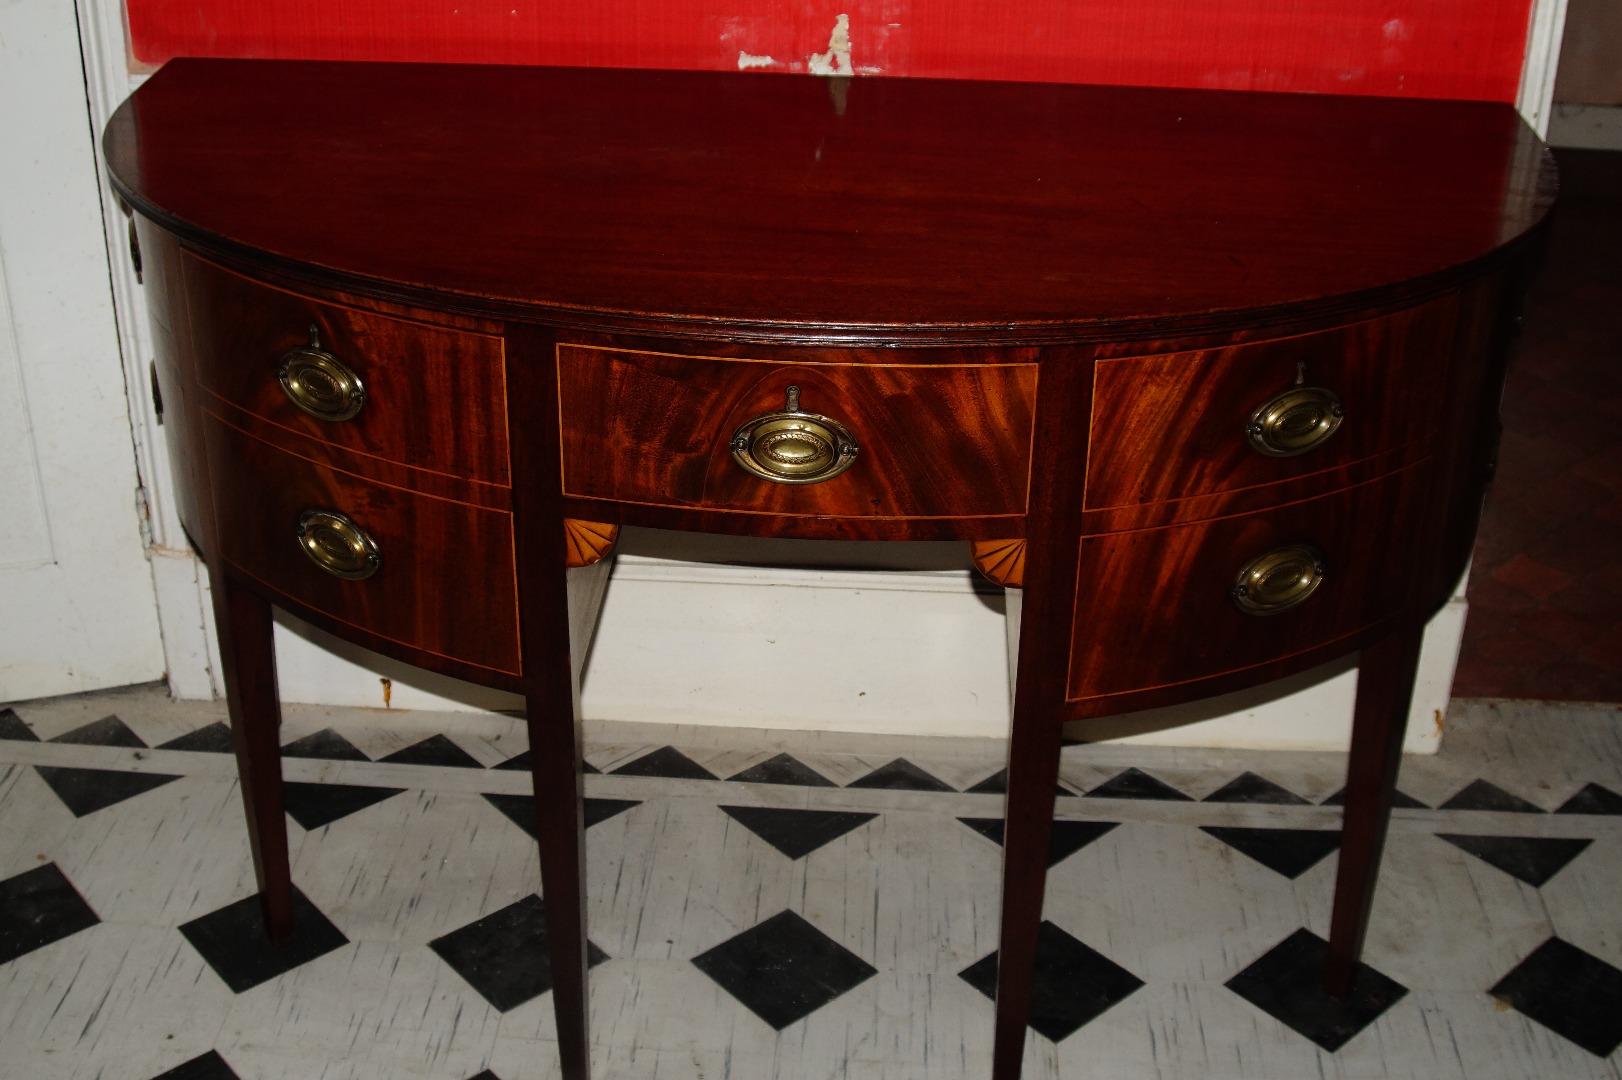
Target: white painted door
{"points": [[77, 610]]}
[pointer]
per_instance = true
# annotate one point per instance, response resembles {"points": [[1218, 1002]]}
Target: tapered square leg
{"points": [[560, 829], [1033, 777], [1385, 688], [248, 656]]}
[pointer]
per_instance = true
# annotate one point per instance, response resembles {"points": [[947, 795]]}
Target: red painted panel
{"points": [[1413, 48]]}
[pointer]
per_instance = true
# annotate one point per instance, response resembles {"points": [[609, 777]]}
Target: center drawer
{"points": [[931, 440]]}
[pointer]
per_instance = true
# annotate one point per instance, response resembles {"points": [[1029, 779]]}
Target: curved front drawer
{"points": [[1174, 588], [445, 583], [435, 397], [932, 440], [1176, 425]]}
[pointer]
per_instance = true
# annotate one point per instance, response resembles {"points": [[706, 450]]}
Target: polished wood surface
{"points": [[1172, 426], [1173, 585], [447, 582], [1046, 314], [938, 440], [798, 209], [433, 395]]}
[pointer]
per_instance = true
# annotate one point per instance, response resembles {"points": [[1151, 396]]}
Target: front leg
{"points": [[1385, 687], [1033, 778], [248, 658]]}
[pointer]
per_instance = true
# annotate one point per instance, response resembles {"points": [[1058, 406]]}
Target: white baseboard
{"points": [[1586, 127], [833, 648]]}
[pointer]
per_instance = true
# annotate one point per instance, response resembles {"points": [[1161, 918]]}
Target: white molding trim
{"points": [[1546, 28], [179, 579], [878, 652]]}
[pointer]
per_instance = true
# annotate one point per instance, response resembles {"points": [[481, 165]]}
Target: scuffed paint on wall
{"points": [[836, 61], [1417, 48]]}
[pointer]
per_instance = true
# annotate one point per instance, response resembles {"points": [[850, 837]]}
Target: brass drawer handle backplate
{"points": [[337, 545], [1278, 580], [794, 447], [1300, 419], [320, 383]]}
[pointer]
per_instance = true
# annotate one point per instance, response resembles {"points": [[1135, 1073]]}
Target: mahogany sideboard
{"points": [[1211, 376]]}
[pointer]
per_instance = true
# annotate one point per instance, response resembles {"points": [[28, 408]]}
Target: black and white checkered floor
{"points": [[794, 908]]}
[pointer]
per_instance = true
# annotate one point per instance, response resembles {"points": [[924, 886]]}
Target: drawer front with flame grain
{"points": [[425, 572], [1180, 425], [406, 391], [817, 439], [1221, 596]]}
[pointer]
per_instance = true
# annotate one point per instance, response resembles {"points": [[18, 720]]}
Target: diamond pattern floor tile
{"points": [[13, 727], [997, 784], [38, 908], [910, 894], [784, 969], [210, 1066], [1481, 795], [667, 762], [213, 739], [1134, 783], [324, 745], [1067, 837], [901, 775], [504, 955], [108, 731], [1592, 799], [521, 763], [1287, 984], [435, 750], [796, 833], [1571, 993], [1250, 788], [1291, 852], [316, 805], [234, 943], [1074, 983], [1532, 859], [84, 791], [1399, 800], [520, 809], [783, 769]]}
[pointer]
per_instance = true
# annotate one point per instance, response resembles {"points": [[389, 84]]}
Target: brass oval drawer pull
{"points": [[1278, 580], [320, 383], [794, 447], [1300, 419], [337, 545]]}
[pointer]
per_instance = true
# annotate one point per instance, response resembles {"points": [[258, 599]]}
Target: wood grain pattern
{"points": [[1171, 587], [918, 210], [1173, 426], [174, 365], [938, 441], [433, 395], [446, 586]]}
